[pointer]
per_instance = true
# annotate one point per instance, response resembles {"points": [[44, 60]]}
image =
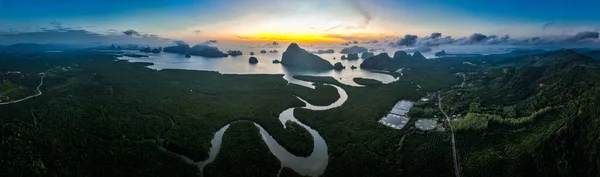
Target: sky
{"points": [[389, 22]]}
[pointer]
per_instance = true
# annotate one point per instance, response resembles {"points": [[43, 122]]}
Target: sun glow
{"points": [[292, 37]]}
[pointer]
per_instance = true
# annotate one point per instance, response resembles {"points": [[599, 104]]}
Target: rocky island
{"points": [[197, 50], [253, 60], [296, 57], [354, 49], [367, 55]]}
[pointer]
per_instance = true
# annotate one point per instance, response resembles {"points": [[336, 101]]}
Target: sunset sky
{"points": [[305, 21]]}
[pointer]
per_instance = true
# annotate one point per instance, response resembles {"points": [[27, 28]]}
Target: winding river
{"points": [[313, 165]]}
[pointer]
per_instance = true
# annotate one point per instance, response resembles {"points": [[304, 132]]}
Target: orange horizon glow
{"points": [[309, 38]]}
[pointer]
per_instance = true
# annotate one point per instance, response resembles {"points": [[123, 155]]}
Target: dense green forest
{"points": [[524, 114]]}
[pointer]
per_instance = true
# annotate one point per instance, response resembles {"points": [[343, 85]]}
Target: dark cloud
{"points": [[435, 39], [475, 38], [131, 32], [212, 41], [413, 43], [493, 39], [582, 36], [434, 36], [197, 31], [408, 40], [79, 37]]}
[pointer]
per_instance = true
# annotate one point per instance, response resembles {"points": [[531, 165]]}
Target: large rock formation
{"points": [[338, 66], [354, 49], [440, 54], [150, 50], [146, 50], [296, 57], [401, 55], [418, 56], [197, 50], [212, 52], [181, 49], [352, 56], [324, 51], [367, 55], [234, 52], [380, 61], [253, 60]]}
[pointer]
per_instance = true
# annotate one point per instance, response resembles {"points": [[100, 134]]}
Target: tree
{"points": [[509, 112]]}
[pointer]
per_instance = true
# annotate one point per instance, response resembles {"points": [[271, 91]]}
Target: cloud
{"points": [[493, 39], [547, 25], [413, 43], [475, 38], [131, 32], [366, 14], [332, 28], [371, 42], [408, 40], [72, 36], [197, 31], [435, 39], [583, 36], [209, 42]]}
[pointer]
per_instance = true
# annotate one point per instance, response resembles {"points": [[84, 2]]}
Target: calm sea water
{"points": [[240, 65]]}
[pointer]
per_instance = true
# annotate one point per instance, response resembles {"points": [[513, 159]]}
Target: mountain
{"points": [[354, 49], [595, 54], [418, 56], [197, 50], [562, 57], [351, 56], [180, 49], [401, 59], [561, 142], [234, 52], [440, 53], [296, 57], [36, 48], [381, 61], [324, 51], [401, 55], [367, 55]]}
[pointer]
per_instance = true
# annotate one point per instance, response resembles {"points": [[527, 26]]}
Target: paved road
{"points": [[32, 96], [456, 169]]}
